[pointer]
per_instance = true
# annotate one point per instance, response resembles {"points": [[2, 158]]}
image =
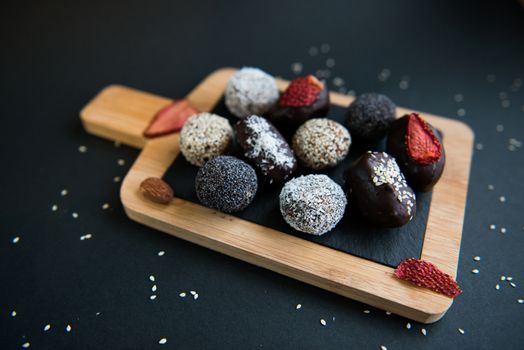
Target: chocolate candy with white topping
{"points": [[265, 147], [226, 183], [305, 98], [418, 149], [377, 187]]}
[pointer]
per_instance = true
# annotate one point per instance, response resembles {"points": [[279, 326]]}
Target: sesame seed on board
{"points": [[16, 240], [323, 322], [13, 313], [298, 306], [461, 331], [161, 253], [162, 341], [182, 295], [54, 207], [26, 345], [423, 331], [408, 325], [47, 327], [82, 149], [68, 328], [63, 192]]}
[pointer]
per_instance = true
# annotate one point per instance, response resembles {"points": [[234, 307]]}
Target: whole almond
{"points": [[156, 190]]}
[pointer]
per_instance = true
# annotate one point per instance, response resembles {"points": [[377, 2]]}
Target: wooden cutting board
{"points": [[121, 114]]}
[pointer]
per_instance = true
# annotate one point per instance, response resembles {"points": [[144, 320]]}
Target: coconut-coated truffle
{"points": [[250, 91], [312, 204], [321, 143], [369, 116], [205, 136], [226, 183]]}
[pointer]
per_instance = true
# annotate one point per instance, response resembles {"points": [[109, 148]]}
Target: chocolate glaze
{"points": [[266, 149], [379, 204], [421, 177], [288, 119]]}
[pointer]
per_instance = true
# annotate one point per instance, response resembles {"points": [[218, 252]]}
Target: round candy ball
{"points": [[321, 143], [369, 116], [226, 183], [205, 136], [250, 91], [312, 204]]}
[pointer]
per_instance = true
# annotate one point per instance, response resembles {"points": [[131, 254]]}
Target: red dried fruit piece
{"points": [[423, 145], [301, 92], [425, 274], [170, 119]]}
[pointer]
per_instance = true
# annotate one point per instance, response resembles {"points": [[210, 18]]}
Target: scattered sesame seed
{"points": [[152, 297], [479, 146], [476, 258], [384, 74], [408, 325], [502, 199], [182, 295], [382, 347], [338, 81], [105, 206], [351, 93], [116, 179], [403, 85], [13, 313], [500, 128], [367, 311], [520, 301], [63, 192], [162, 341], [491, 187], [74, 215], [192, 292], [461, 112], [461, 331], [512, 284], [497, 286], [82, 149], [330, 62], [509, 278], [84, 237], [121, 162], [388, 313], [325, 48], [492, 227], [26, 345], [16, 240], [323, 322], [423, 331], [98, 313], [195, 296], [161, 253], [491, 78], [503, 230], [68, 328], [152, 278], [458, 97], [153, 289], [313, 51], [298, 306], [296, 67], [47, 327], [54, 207], [505, 103], [502, 278], [475, 271]]}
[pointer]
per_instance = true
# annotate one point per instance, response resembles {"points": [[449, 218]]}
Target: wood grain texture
{"points": [[121, 113]]}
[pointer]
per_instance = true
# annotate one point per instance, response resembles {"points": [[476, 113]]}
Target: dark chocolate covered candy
{"points": [[377, 187], [418, 149], [369, 116]]}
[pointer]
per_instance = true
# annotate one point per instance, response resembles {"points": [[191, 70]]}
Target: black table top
{"points": [[454, 59]]}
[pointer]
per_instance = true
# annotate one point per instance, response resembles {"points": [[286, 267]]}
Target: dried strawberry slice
{"points": [[301, 92], [423, 145], [170, 119], [425, 274]]}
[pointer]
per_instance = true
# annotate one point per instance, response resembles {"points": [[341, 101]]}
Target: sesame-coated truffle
{"points": [[369, 116], [312, 204], [226, 183], [321, 143], [264, 146], [250, 91], [205, 136]]}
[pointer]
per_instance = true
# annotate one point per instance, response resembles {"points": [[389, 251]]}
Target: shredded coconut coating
{"points": [[226, 183], [205, 136], [321, 143], [250, 91], [312, 204], [386, 171]]}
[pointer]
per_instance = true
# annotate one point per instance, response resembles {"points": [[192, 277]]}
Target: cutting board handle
{"points": [[122, 114]]}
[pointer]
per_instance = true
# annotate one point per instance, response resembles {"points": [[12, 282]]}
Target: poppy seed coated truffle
{"points": [[250, 91], [369, 116], [226, 183], [312, 204]]}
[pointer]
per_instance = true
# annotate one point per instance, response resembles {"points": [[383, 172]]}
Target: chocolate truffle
{"points": [[417, 147], [379, 190], [205, 136], [226, 183], [266, 148], [321, 143], [312, 204], [250, 91], [305, 98], [369, 117]]}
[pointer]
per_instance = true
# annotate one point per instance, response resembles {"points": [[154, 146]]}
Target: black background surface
{"points": [[388, 246], [56, 55]]}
